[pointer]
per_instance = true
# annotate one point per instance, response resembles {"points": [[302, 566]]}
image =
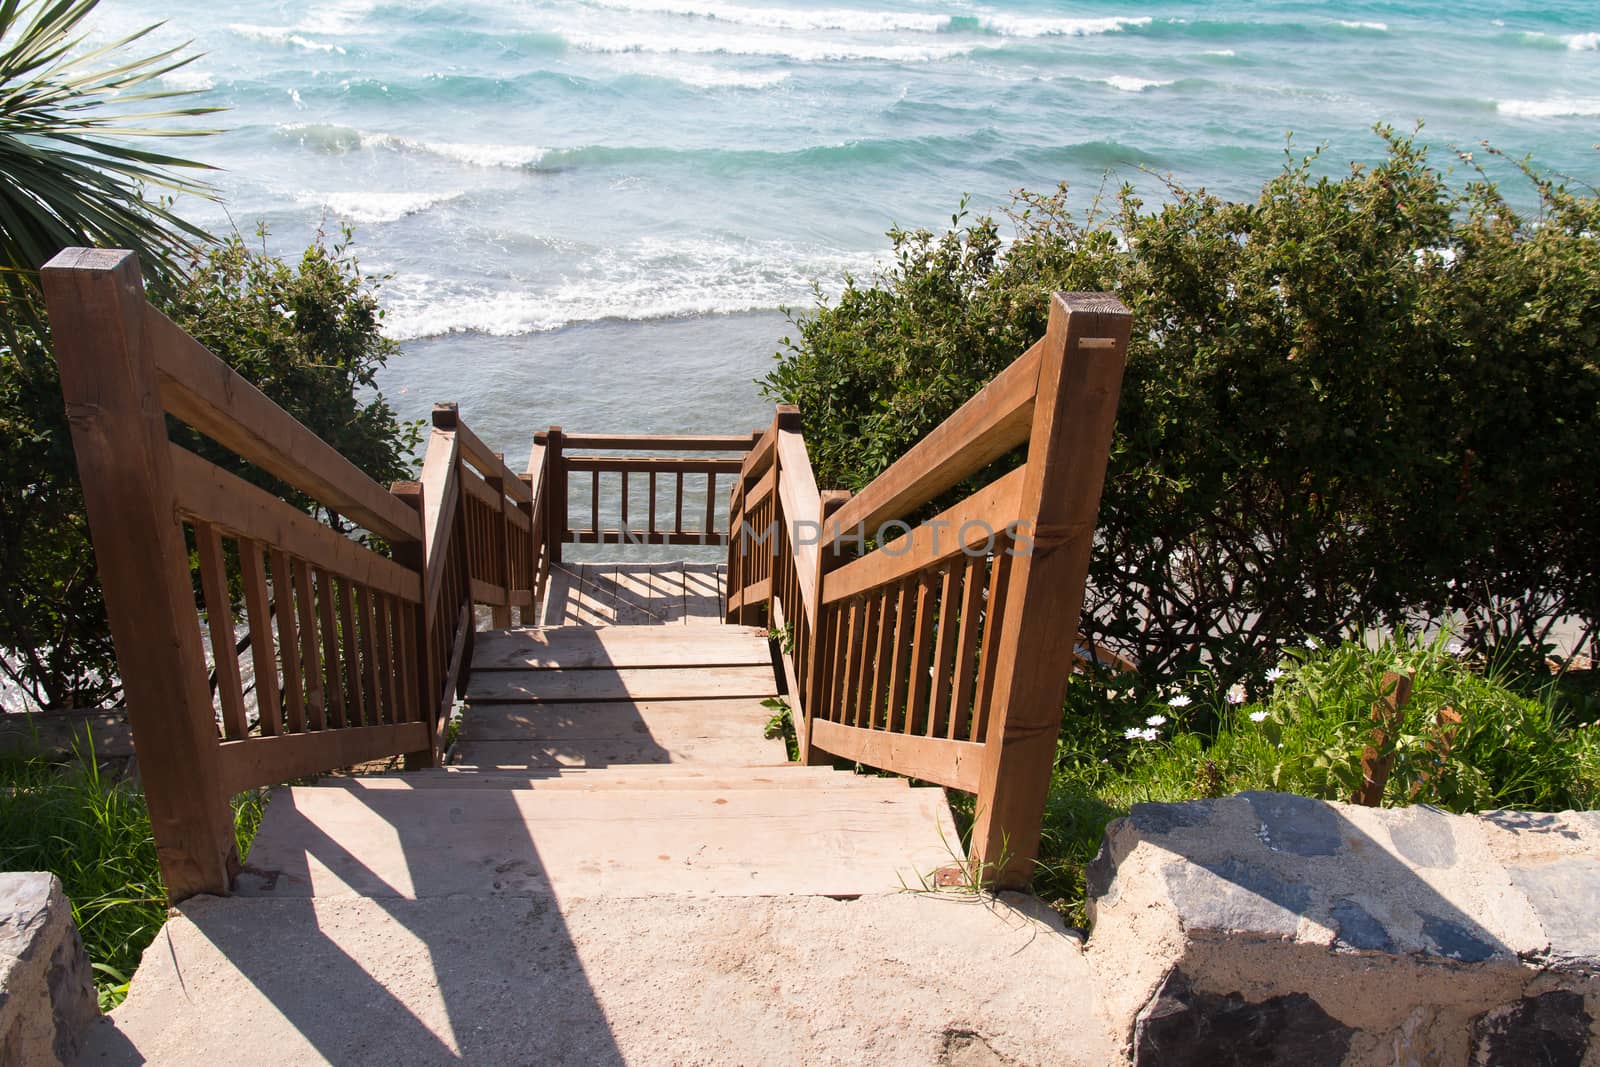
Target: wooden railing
{"points": [[662, 497], [354, 655], [943, 653]]}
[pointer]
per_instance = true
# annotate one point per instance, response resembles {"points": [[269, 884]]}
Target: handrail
{"points": [[939, 654]]}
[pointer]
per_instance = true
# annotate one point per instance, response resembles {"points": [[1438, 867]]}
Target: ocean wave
{"points": [[1554, 108], [289, 35], [1375, 27], [859, 21], [781, 46], [374, 207], [1582, 42], [705, 76], [648, 280], [1224, 53], [187, 79], [337, 140], [1132, 85]]}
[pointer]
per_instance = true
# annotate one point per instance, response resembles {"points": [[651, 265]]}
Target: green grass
{"points": [[1524, 741], [94, 834]]}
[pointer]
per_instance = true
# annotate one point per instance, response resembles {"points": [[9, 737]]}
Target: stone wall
{"points": [[1267, 928], [47, 995]]}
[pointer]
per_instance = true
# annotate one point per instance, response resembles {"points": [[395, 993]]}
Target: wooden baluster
{"points": [[263, 657], [388, 696], [411, 672], [710, 530], [288, 640], [1080, 374], [994, 622], [350, 639], [944, 652], [973, 573], [119, 439], [594, 506], [863, 612], [372, 693], [219, 621], [327, 612], [651, 529], [623, 525], [921, 650], [677, 510], [311, 668], [899, 651]]}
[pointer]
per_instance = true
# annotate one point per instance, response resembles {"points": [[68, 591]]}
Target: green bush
{"points": [[93, 833], [1357, 400], [308, 335]]}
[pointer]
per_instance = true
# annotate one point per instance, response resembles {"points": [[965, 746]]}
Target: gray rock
{"points": [[1294, 824], [1551, 1030], [47, 995], [1184, 1028], [1565, 894], [1424, 836]]}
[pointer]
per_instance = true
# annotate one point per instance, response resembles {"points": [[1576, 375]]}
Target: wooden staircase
{"points": [[613, 760]]}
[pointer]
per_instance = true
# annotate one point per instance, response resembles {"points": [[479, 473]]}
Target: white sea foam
{"points": [[1375, 27], [336, 19], [1226, 53], [188, 79], [282, 35], [783, 46], [1131, 85], [649, 279], [858, 21], [705, 76], [1582, 42], [1554, 108], [1024, 26], [474, 154], [375, 207]]}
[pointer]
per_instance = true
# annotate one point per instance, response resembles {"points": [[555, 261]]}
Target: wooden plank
{"points": [[389, 704], [866, 644], [993, 422], [288, 640], [219, 622], [651, 465], [944, 652], [965, 527], [441, 496], [356, 702], [648, 722], [738, 442], [994, 623], [262, 761], [488, 463], [616, 646], [208, 493], [802, 509], [488, 593], [956, 764], [974, 573], [206, 393], [305, 605], [657, 683], [1080, 375], [900, 651], [332, 684], [916, 699], [882, 641], [411, 666], [372, 687], [702, 593], [263, 657]]}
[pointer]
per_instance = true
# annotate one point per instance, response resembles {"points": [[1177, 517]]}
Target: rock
{"points": [[47, 995], [1265, 928]]}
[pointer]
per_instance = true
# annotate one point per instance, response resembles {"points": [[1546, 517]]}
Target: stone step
{"points": [[436, 842]]}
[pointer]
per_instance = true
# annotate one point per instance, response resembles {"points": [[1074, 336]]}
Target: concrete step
{"points": [[671, 776], [650, 840]]}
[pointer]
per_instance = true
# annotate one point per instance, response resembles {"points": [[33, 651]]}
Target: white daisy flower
{"points": [[1149, 735], [1156, 720], [1132, 733], [1258, 716], [1274, 674], [1311, 643], [1236, 694], [1180, 701]]}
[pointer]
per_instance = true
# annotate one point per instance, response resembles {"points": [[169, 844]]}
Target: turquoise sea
{"points": [[592, 209]]}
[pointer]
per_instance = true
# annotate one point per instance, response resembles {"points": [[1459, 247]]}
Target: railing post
{"points": [[817, 663], [555, 529], [501, 613], [1080, 376], [414, 555], [119, 434]]}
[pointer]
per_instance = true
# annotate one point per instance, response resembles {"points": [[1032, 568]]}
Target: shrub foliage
{"points": [[1360, 399]]}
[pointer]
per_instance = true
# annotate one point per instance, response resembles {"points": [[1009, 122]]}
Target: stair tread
{"points": [[318, 841], [603, 647], [627, 683], [780, 777]]}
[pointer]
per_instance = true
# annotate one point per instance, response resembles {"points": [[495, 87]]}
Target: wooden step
{"points": [[387, 843], [643, 683], [602, 647], [734, 752]]}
